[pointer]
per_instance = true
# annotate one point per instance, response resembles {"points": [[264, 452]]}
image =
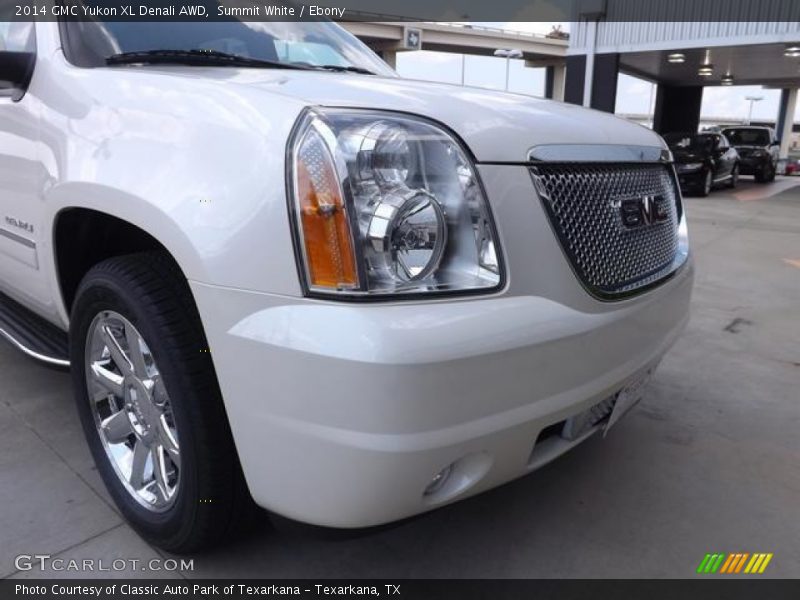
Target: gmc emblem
{"points": [[639, 212]]}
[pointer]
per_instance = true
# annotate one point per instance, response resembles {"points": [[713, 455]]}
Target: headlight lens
{"points": [[388, 204], [406, 235]]}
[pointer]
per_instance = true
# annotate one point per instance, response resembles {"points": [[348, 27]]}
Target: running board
{"points": [[33, 335]]}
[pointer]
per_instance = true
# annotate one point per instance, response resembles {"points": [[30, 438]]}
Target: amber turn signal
{"points": [[330, 257]]}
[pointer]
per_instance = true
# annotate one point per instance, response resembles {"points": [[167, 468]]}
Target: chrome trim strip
{"points": [[598, 153], [17, 238], [50, 360]]}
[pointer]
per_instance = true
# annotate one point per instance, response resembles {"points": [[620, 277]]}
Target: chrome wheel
{"points": [[132, 411]]}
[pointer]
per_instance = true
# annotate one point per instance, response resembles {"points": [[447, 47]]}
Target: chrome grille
{"points": [[582, 201]]}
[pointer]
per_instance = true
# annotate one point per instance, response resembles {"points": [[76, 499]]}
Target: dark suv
{"points": [[758, 151]]}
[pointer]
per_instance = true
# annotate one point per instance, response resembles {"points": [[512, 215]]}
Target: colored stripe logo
{"points": [[737, 562]]}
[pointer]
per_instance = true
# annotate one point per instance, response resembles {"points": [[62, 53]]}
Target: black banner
{"points": [[461, 589], [402, 10]]}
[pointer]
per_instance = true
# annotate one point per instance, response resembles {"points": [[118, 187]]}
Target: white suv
{"points": [[278, 271]]}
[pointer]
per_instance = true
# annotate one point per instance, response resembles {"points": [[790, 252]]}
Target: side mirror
{"points": [[16, 70]]}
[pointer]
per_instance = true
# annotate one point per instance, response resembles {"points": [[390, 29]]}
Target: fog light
{"points": [[438, 481]]}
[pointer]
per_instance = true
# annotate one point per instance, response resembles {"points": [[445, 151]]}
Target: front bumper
{"points": [[751, 166], [691, 179], [342, 414]]}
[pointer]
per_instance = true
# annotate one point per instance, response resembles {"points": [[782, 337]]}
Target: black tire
{"points": [[734, 180], [766, 174], [705, 187], [770, 176], [149, 290]]}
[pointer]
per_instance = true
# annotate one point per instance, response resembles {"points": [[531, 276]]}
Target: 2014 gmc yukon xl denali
{"points": [[280, 273]]}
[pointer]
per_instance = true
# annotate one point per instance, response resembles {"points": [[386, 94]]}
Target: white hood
{"points": [[497, 126]]}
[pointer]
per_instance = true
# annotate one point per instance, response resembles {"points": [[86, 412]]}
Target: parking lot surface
{"points": [[708, 462]]}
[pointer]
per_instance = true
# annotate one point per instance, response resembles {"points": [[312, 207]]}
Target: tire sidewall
{"points": [[705, 187], [98, 293], [766, 173]]}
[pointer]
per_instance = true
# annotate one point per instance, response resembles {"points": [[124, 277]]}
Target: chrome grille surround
{"points": [[582, 202]]}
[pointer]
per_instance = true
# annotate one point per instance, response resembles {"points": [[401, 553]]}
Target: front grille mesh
{"points": [[582, 201]]}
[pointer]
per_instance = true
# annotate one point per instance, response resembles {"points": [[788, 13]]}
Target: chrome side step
{"points": [[32, 335]]}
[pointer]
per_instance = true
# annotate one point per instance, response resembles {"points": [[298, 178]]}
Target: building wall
{"points": [[626, 28]]}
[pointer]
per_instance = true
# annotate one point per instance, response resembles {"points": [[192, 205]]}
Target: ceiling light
{"points": [[676, 57], [726, 80], [792, 50], [705, 70]]}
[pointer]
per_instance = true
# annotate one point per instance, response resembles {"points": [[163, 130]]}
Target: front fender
{"points": [[195, 163]]}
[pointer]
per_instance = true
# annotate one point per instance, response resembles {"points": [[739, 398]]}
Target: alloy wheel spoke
{"points": [[117, 354], [138, 464], [116, 428], [107, 379], [146, 403], [159, 456], [135, 350], [169, 442]]}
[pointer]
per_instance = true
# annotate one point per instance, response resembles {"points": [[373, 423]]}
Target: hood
{"points": [[497, 126]]}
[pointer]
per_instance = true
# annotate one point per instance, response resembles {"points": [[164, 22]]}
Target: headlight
{"points": [[386, 203]]}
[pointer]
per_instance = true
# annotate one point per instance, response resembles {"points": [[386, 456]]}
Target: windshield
{"points": [[689, 142], [747, 137], [310, 44]]}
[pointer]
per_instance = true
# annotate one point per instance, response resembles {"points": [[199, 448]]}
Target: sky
{"points": [[633, 95]]}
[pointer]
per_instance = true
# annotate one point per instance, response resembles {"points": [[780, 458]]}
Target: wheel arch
{"points": [[84, 236]]}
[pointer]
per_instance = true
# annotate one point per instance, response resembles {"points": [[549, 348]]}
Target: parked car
{"points": [[758, 150], [703, 160], [278, 271]]}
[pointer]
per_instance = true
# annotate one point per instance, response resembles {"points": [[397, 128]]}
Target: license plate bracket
{"points": [[629, 396]]}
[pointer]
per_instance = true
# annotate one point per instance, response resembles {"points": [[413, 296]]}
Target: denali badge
{"points": [[645, 210], [19, 223]]}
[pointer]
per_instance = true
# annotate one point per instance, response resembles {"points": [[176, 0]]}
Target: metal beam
{"points": [[462, 39]]}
